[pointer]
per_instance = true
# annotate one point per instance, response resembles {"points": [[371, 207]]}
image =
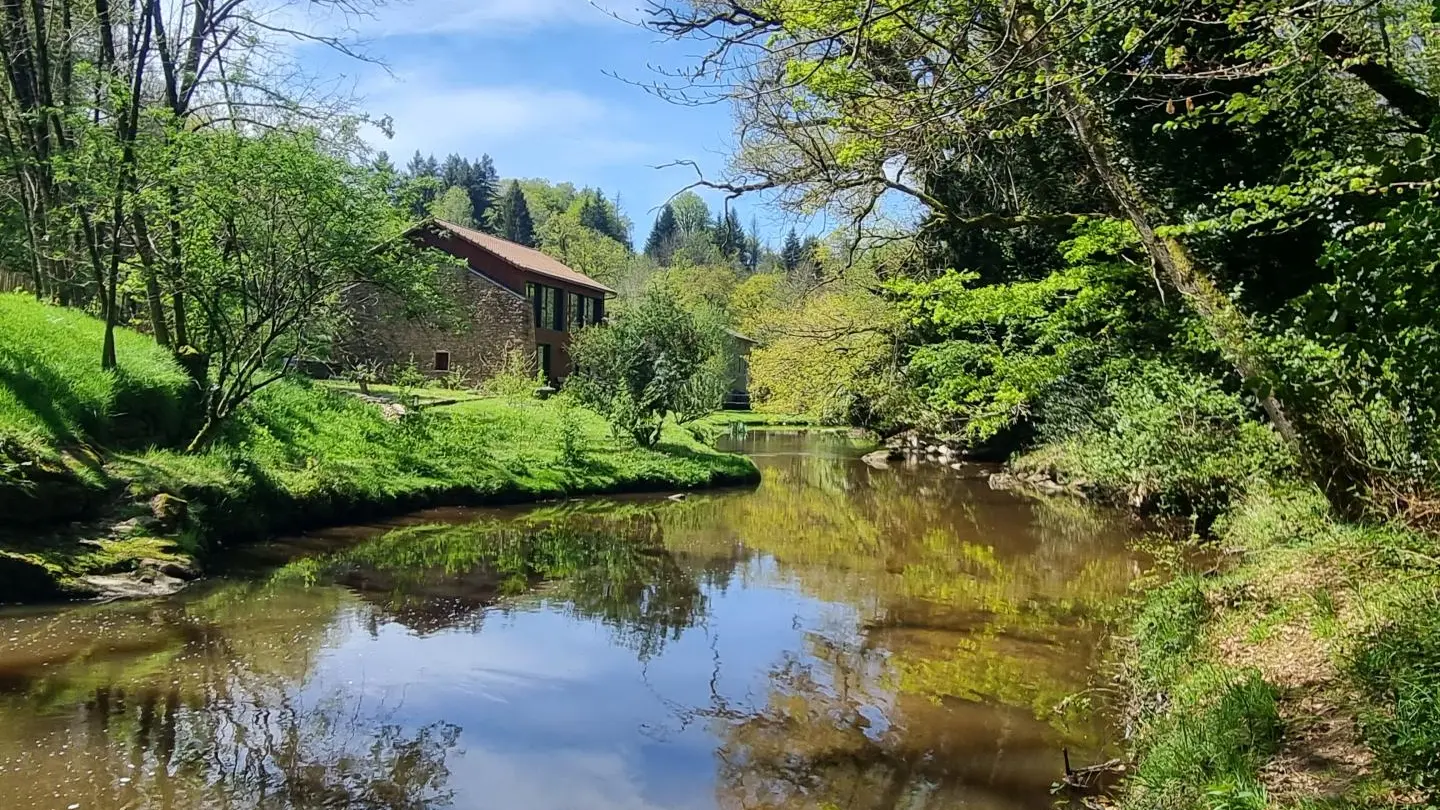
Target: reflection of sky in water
{"points": [[556, 715]]}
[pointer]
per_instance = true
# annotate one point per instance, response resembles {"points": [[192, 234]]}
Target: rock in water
{"points": [[880, 459]]}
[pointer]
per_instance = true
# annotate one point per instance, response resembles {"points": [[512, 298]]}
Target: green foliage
{"points": [[1398, 667], [1161, 438], [454, 206], [583, 248], [664, 236], [517, 378], [283, 231], [510, 218], [653, 362], [990, 353]]}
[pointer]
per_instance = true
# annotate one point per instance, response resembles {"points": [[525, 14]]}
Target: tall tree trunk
{"points": [[154, 297]]}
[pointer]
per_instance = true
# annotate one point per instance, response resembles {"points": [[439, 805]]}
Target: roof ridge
{"points": [[539, 262]]}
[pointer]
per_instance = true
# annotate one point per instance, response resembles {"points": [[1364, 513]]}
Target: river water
{"points": [[840, 637]]}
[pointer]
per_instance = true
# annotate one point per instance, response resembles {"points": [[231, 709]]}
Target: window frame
{"points": [[445, 368]]}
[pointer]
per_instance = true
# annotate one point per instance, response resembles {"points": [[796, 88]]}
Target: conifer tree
{"points": [[510, 217], [661, 244]]}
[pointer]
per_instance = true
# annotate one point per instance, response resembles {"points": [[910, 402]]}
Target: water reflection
{"points": [[840, 637]]}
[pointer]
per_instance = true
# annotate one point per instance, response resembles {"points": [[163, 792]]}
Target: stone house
{"points": [[514, 299]]}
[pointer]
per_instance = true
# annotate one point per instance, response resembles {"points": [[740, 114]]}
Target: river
{"points": [[839, 637]]}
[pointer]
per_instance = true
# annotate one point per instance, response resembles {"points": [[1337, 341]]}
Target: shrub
{"points": [[1167, 439], [654, 361], [516, 378]]}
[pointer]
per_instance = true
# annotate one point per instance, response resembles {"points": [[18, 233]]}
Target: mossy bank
{"points": [[92, 484]]}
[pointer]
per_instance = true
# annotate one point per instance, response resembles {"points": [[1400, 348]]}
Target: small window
{"points": [[532, 292], [542, 351], [442, 361]]}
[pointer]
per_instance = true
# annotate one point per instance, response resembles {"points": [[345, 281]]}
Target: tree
{"points": [[660, 245], [792, 252], [276, 231], [484, 188], [859, 123], [510, 219], [653, 362], [589, 251], [730, 236], [454, 207], [692, 215]]}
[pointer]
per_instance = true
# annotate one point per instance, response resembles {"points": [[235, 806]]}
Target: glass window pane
{"points": [[575, 312]]}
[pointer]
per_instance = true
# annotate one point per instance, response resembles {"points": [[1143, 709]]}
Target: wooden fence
{"points": [[11, 281]]}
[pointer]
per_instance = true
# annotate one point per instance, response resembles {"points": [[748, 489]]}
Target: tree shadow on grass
{"points": [[42, 393]]}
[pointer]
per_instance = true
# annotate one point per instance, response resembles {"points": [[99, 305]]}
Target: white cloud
{"points": [[441, 119]]}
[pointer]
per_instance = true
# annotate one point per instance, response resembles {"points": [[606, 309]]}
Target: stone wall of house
{"points": [[495, 323]]}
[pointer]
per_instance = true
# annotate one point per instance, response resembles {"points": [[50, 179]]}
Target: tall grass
{"points": [[1397, 666], [53, 392]]}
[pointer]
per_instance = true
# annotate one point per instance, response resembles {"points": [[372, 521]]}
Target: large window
{"points": [[556, 309], [542, 352], [576, 310]]}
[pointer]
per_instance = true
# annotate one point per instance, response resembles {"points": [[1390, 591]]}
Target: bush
{"points": [[654, 361], [1164, 438], [1398, 669]]}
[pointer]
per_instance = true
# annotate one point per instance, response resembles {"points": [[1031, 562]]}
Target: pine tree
{"points": [[753, 246], [663, 237], [729, 236], [456, 172], [593, 214], [421, 166], [792, 253], [510, 217], [484, 188]]}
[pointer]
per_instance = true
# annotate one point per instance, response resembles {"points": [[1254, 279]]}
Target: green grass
{"points": [[1337, 614], [1207, 751], [1397, 666], [304, 454], [52, 390], [74, 440]]}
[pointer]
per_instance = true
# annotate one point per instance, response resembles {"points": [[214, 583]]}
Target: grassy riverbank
{"points": [[1290, 659], [79, 445]]}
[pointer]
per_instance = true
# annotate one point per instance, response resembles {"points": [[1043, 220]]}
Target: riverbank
{"points": [[99, 501], [1296, 666]]}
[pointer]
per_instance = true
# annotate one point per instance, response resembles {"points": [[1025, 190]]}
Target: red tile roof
{"points": [[522, 257]]}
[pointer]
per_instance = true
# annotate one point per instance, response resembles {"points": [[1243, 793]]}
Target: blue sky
{"points": [[526, 82]]}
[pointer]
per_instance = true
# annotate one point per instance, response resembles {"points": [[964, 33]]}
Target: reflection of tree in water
{"points": [[612, 567], [201, 703], [832, 734]]}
